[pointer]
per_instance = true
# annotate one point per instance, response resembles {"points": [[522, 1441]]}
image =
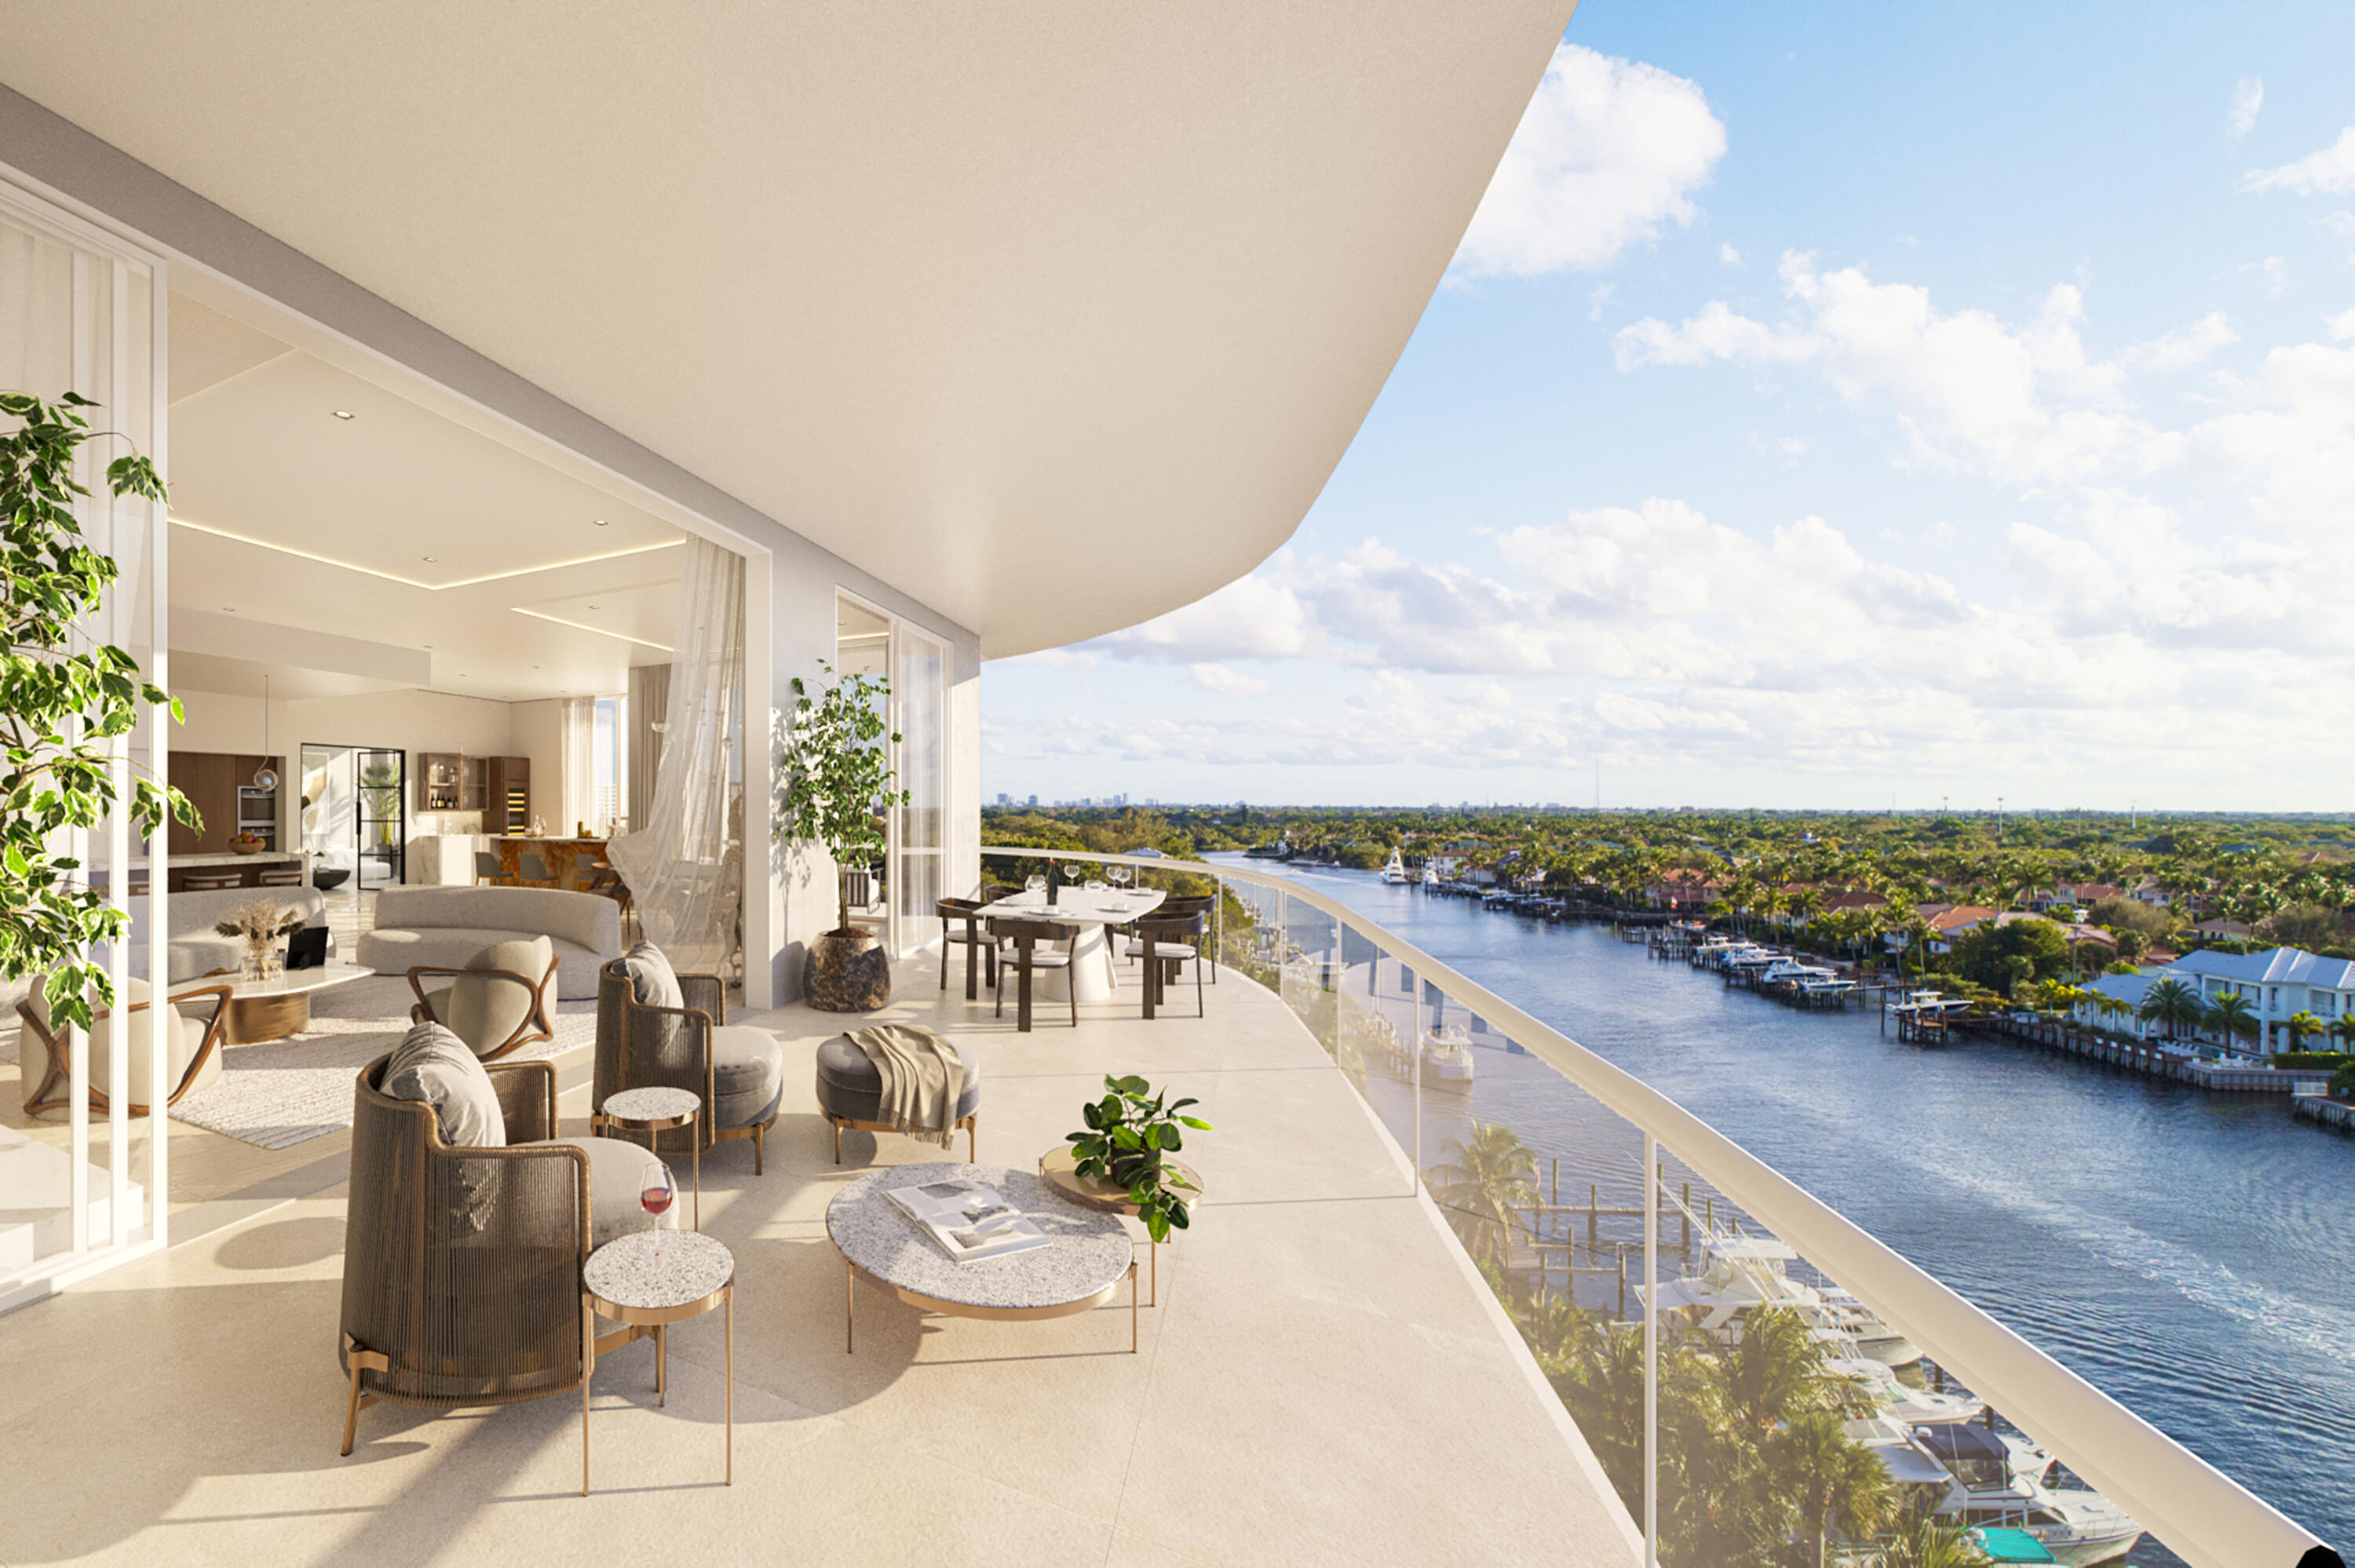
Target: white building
{"points": [[2279, 984]]}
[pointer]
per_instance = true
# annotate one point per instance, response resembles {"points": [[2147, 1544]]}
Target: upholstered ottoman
{"points": [[850, 1093]]}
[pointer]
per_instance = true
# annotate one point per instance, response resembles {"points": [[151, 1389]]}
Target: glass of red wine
{"points": [[657, 1198]]}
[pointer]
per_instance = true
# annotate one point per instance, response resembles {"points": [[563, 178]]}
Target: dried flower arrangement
{"points": [[260, 922]]}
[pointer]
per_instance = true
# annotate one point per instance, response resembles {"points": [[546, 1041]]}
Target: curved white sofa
{"points": [[444, 927], [192, 947]]}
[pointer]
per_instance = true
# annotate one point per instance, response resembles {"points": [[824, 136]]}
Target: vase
{"points": [[846, 971], [1128, 1170], [257, 958]]}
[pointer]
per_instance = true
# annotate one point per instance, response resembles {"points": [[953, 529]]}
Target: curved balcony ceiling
{"points": [[1055, 317]]}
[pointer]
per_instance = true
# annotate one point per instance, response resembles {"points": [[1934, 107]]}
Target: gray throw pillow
{"points": [[652, 978], [433, 1067]]}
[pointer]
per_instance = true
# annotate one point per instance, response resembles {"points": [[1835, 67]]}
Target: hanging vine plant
{"points": [[63, 698]]}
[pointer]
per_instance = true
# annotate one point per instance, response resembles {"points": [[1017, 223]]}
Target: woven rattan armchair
{"points": [[462, 1266], [641, 1046]]}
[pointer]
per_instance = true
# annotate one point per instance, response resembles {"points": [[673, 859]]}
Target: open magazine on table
{"points": [[968, 1219]]}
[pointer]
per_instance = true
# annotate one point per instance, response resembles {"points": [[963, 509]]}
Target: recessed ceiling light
{"points": [[597, 522], [228, 608], [429, 557], [344, 414], [593, 607], [426, 646]]}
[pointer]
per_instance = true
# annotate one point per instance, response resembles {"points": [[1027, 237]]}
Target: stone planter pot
{"points": [[846, 971]]}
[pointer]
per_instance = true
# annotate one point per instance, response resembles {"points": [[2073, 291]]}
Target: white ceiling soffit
{"points": [[1054, 317], [493, 574]]}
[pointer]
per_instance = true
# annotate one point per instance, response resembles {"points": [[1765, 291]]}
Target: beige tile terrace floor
{"points": [[1323, 1379]]}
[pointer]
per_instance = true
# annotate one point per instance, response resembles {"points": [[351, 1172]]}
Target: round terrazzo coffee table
{"points": [[1060, 1168], [654, 1111], [1077, 1273], [647, 1280]]}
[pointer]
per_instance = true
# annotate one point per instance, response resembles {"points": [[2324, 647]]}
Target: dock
{"points": [[2324, 1111]]}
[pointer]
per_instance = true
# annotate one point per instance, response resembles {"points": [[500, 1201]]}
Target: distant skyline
{"points": [[1828, 406]]}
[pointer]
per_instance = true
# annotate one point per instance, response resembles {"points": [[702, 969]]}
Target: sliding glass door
{"points": [[920, 694]]}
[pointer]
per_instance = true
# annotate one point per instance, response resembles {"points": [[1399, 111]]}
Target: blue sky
{"points": [[1834, 406]]}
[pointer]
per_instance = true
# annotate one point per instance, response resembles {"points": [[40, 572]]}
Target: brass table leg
{"points": [[1132, 1307], [662, 1359], [695, 1137], [849, 1308], [728, 1307], [587, 1370]]}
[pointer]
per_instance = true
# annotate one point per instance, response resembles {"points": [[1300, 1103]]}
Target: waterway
{"points": [[2191, 1253]]}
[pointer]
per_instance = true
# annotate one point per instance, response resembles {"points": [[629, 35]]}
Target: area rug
{"points": [[284, 1092]]}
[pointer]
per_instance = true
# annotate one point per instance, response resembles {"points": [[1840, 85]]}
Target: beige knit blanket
{"points": [[922, 1075]]}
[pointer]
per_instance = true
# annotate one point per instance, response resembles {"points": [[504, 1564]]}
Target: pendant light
{"points": [[265, 777]]}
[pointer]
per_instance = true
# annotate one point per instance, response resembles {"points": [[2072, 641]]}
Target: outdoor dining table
{"points": [[1090, 910]]}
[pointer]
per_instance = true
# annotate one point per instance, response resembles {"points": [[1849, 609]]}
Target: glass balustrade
{"points": [[1750, 1369]]}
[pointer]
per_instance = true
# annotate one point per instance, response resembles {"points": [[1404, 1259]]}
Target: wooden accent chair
{"points": [[193, 1048], [495, 1004]]}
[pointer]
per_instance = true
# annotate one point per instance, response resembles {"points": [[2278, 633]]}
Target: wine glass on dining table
{"points": [[1034, 883]]}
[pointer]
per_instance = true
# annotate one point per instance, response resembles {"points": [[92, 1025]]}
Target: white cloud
{"points": [[1729, 254], [1253, 618], [1228, 682], [2023, 404], [2182, 348], [2326, 171], [1596, 301], [1607, 153], [2248, 97], [2342, 325]]}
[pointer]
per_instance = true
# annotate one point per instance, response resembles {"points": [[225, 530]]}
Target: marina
{"points": [[2158, 1239]]}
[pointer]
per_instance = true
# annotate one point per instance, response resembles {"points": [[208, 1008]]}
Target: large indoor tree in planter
{"points": [[834, 776], [63, 698]]}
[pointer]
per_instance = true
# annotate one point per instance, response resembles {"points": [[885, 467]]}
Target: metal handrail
{"points": [[2204, 1515]]}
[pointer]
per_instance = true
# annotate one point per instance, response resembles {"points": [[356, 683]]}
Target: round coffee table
{"points": [[657, 1110], [1077, 1272], [647, 1280], [1060, 1168], [273, 1009]]}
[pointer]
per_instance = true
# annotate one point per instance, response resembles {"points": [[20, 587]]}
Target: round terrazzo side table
{"points": [[647, 1281], [1090, 1256], [654, 1111]]}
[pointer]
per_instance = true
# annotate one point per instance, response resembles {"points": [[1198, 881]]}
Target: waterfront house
{"points": [[1951, 922], [2278, 983]]}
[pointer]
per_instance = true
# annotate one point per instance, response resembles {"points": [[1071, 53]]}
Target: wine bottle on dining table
{"points": [[1054, 882]]}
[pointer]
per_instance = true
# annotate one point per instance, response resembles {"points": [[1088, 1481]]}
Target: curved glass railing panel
{"points": [[1712, 1329]]}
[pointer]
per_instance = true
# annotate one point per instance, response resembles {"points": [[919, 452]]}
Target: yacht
{"points": [[2003, 1484], [1894, 1402], [1741, 1275], [1448, 1055], [1395, 872]]}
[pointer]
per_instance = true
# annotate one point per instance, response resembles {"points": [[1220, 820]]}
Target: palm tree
{"points": [[1485, 1182], [1776, 1371], [2231, 1016], [2302, 1026], [2172, 1005], [2343, 1029], [1930, 1544], [1839, 1484]]}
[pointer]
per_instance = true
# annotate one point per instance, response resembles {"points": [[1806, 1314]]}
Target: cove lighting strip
{"points": [[583, 626], [412, 582]]}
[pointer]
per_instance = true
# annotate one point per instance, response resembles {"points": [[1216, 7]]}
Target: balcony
{"points": [[1324, 1376]]}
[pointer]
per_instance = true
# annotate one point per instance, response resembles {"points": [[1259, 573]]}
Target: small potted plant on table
{"points": [[1130, 1132]]}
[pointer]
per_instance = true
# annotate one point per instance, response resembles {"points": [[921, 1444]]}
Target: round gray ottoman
{"points": [[850, 1094]]}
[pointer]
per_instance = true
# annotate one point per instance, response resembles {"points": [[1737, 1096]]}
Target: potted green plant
{"points": [[834, 778], [1129, 1131], [62, 701]]}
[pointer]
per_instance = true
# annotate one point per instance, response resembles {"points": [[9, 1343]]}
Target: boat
{"points": [[1741, 1275], [1395, 872], [1448, 1055], [1893, 1401], [2002, 1479]]}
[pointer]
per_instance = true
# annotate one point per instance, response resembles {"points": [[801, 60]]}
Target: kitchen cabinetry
{"points": [[220, 785]]}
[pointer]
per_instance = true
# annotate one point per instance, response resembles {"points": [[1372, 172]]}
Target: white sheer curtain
{"points": [[684, 863], [577, 734]]}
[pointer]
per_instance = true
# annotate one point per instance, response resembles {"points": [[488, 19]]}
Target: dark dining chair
{"points": [[1171, 909], [973, 938], [1024, 955], [1166, 944]]}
